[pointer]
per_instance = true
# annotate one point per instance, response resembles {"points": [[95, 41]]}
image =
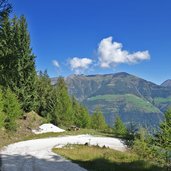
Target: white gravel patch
{"points": [[45, 128], [36, 155]]}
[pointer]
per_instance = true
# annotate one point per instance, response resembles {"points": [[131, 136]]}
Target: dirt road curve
{"points": [[36, 155]]}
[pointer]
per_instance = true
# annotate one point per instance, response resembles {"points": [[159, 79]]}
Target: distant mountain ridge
{"points": [[166, 83], [134, 99]]}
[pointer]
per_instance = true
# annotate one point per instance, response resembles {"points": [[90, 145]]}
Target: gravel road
{"points": [[36, 155]]}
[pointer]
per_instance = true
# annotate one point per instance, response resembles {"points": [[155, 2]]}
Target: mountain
{"points": [[166, 83], [134, 99]]}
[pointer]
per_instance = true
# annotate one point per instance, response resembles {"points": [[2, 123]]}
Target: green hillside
{"points": [[131, 101]]}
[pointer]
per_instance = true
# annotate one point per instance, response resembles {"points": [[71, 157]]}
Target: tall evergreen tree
{"points": [[44, 94], [119, 127], [17, 65], [98, 120], [5, 48], [2, 115], [142, 144], [26, 77], [164, 135], [163, 138], [62, 114], [12, 109], [81, 115]]}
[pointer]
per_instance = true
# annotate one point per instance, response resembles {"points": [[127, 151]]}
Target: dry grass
{"points": [[24, 129]]}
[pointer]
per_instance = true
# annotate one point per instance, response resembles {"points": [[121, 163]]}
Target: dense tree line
{"points": [[29, 90], [25, 90]]}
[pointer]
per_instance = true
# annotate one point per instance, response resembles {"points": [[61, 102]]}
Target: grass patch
{"points": [[132, 100], [104, 159], [159, 100]]}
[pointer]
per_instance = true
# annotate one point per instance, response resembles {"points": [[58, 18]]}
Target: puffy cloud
{"points": [[56, 63], [79, 64], [111, 54]]}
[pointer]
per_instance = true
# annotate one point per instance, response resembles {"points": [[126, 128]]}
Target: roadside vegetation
{"points": [[145, 152], [95, 158]]}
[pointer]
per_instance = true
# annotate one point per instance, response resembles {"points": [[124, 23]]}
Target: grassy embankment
{"points": [[104, 159], [24, 129]]}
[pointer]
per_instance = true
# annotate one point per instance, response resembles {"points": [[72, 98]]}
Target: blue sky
{"points": [[78, 36]]}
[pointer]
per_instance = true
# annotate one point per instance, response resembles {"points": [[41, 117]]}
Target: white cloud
{"points": [[111, 54], [79, 64], [56, 63]]}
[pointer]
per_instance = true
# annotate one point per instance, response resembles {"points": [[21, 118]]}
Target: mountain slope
{"points": [[134, 99], [166, 83]]}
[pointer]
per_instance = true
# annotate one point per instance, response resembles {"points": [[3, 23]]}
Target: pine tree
{"points": [[17, 65], [163, 138], [141, 144], [119, 127], [81, 115], [25, 80], [98, 120], [84, 117], [44, 94], [2, 115], [62, 113], [5, 48], [164, 135], [12, 109]]}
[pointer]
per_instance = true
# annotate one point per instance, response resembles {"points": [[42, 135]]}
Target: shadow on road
{"points": [[31, 163]]}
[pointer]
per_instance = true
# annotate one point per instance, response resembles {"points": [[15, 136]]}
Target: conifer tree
{"points": [[62, 113], [25, 80], [12, 109], [164, 135], [98, 120], [44, 94], [2, 115], [141, 143], [17, 65], [119, 127], [81, 115], [5, 48], [163, 138]]}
